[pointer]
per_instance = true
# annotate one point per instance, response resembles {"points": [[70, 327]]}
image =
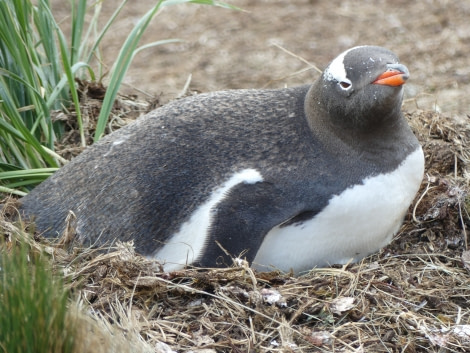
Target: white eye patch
{"points": [[337, 72]]}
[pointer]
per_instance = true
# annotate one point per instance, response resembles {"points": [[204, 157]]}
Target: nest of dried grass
{"points": [[411, 297]]}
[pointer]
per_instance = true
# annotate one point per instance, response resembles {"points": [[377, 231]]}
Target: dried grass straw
{"points": [[411, 297]]}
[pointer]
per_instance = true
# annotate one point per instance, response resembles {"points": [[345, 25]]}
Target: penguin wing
{"points": [[244, 217]]}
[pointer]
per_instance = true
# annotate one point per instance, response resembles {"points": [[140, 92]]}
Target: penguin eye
{"points": [[345, 85]]}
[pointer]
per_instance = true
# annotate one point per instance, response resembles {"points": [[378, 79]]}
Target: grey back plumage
{"points": [[143, 180]]}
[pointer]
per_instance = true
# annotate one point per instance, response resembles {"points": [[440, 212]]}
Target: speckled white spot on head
{"points": [[188, 243], [336, 70]]}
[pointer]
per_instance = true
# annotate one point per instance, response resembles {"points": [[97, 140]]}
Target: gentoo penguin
{"points": [[287, 178]]}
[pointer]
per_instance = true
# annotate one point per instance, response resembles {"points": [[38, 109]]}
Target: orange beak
{"points": [[396, 75]]}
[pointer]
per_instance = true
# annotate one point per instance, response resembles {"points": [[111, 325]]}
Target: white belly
{"points": [[354, 224]]}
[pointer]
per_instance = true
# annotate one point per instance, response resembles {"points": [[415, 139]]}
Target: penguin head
{"points": [[361, 88]]}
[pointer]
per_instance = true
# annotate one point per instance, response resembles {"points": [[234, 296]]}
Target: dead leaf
{"points": [[342, 304]]}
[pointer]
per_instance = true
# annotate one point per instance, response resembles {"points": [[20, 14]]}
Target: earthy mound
{"points": [[411, 297]]}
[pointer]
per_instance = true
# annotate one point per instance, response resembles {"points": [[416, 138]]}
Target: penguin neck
{"points": [[392, 136]]}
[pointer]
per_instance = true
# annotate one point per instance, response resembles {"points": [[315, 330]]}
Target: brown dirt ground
{"points": [[225, 49], [410, 297]]}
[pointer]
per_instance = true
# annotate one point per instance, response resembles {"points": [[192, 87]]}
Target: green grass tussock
{"points": [[33, 303]]}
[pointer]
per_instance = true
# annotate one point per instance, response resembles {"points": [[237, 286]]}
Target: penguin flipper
{"points": [[242, 220]]}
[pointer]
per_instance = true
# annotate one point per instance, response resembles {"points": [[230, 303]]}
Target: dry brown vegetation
{"points": [[411, 297]]}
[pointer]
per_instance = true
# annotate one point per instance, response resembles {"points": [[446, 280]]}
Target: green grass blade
{"points": [[154, 44], [20, 178], [78, 21], [120, 68], [51, 71], [21, 174], [67, 62], [16, 122], [12, 191], [200, 2], [105, 29]]}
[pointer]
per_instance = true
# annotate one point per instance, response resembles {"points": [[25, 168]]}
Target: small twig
{"points": [[420, 199], [252, 329], [455, 165], [129, 309], [186, 86], [463, 226], [298, 57]]}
